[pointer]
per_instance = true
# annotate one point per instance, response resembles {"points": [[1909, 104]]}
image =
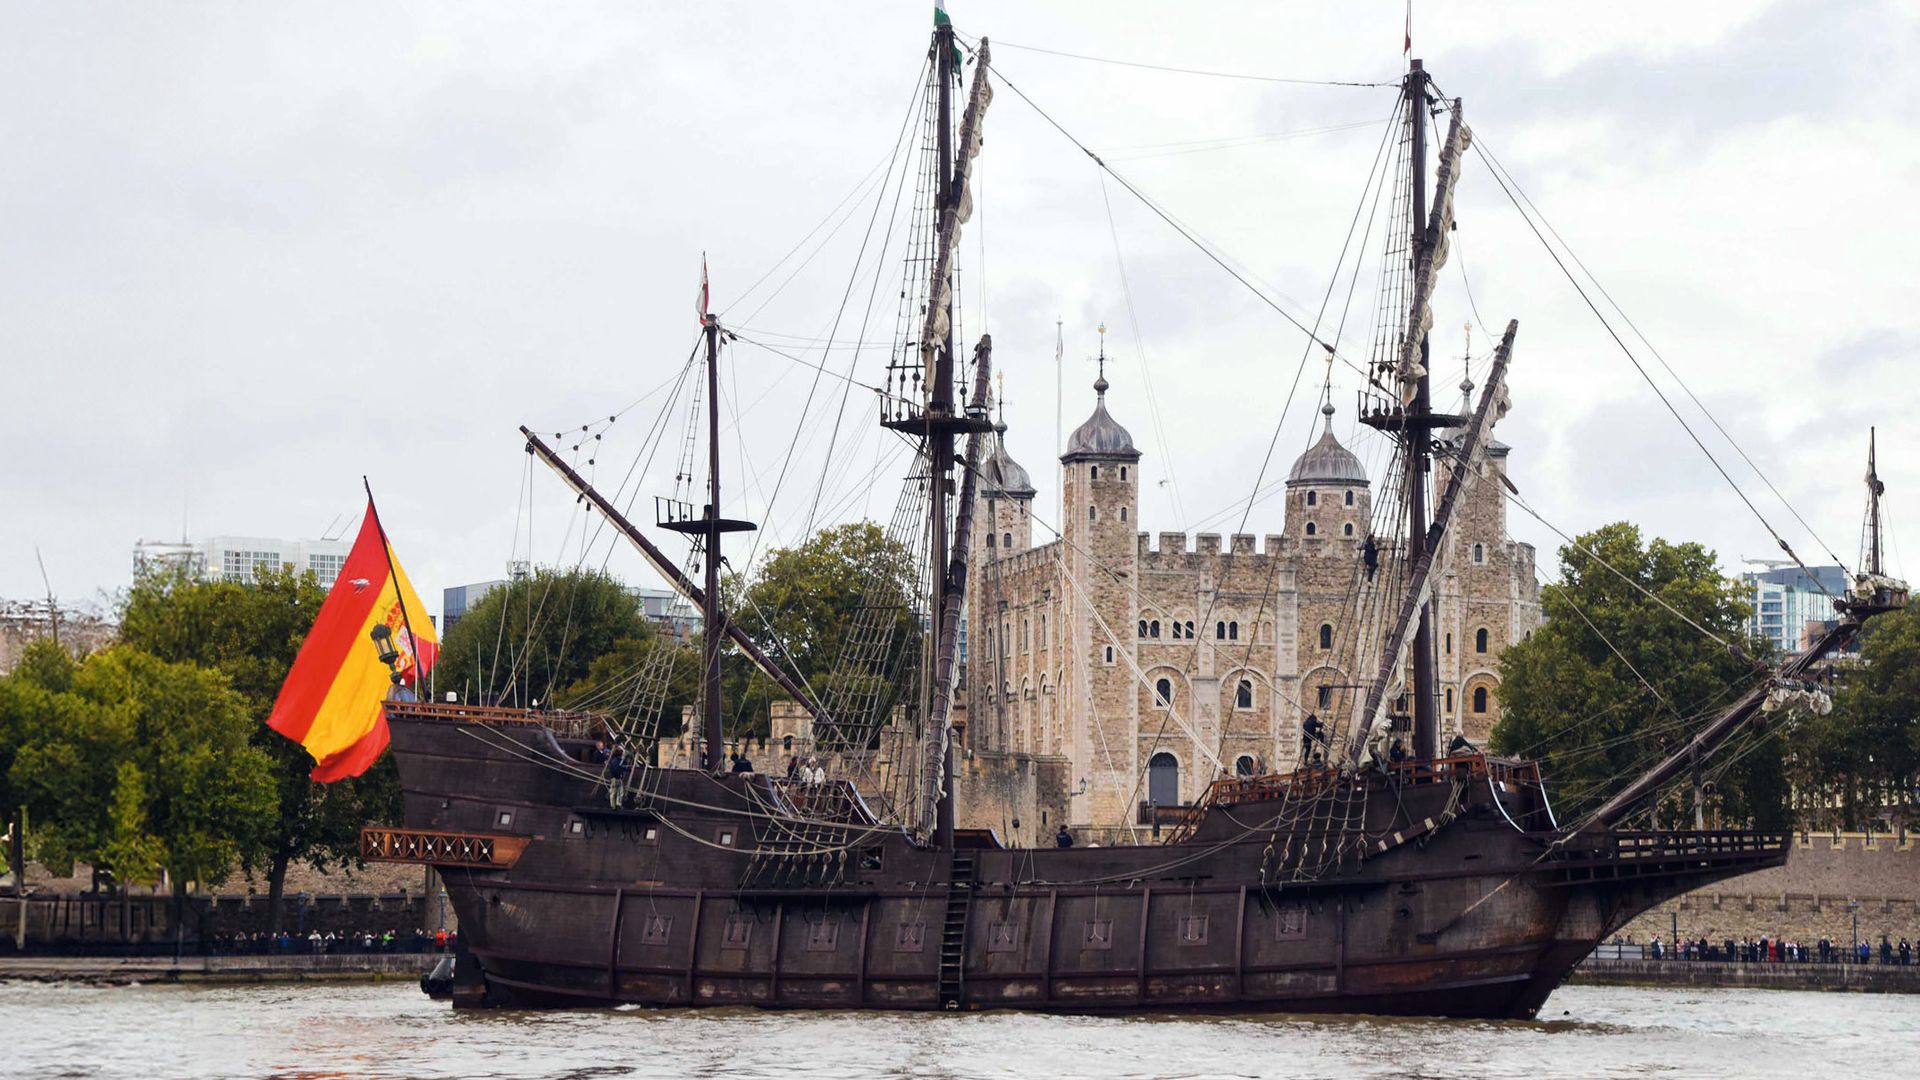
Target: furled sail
{"points": [[1494, 403], [1431, 258], [947, 621], [959, 210]]}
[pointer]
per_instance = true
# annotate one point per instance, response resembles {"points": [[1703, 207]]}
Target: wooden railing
{"points": [[440, 848], [563, 723]]}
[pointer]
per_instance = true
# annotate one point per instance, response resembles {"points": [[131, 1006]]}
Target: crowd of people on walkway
{"points": [[316, 942], [1772, 950]]}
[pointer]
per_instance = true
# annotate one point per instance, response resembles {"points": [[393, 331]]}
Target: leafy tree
{"points": [[251, 631], [1866, 753], [1576, 691], [651, 673], [43, 731], [144, 761], [534, 636], [802, 607]]}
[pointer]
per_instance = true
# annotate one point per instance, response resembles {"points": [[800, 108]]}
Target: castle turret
{"points": [[1100, 483], [1327, 491]]}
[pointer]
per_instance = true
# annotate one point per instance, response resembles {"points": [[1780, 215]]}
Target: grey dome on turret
{"points": [[1326, 461], [1101, 437], [1000, 475]]}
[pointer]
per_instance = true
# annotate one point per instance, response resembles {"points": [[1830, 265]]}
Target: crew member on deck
{"points": [[1063, 838]]}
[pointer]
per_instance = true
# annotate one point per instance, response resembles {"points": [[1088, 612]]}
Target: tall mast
{"points": [[1426, 730], [712, 631], [940, 404], [1874, 488], [710, 526]]}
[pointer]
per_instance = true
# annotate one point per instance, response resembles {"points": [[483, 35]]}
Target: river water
{"points": [[388, 1030]]}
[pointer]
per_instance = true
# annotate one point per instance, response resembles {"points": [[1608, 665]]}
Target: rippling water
{"points": [[366, 1030]]}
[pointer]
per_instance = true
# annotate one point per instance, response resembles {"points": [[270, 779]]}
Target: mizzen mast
{"points": [[710, 527]]}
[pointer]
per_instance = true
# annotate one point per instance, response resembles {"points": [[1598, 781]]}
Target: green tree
{"points": [[45, 731], [145, 761], [1613, 680], [537, 635], [802, 607], [644, 680], [251, 631], [1866, 753]]}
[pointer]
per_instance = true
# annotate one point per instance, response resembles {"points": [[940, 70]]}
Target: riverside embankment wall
{"points": [[1870, 978], [1829, 879]]}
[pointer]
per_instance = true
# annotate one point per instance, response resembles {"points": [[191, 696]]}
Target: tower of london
{"points": [[1111, 671]]}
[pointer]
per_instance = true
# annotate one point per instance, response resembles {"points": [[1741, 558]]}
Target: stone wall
{"points": [[1827, 882]]}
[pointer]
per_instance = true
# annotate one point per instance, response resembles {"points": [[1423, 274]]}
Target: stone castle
{"points": [[1109, 673]]}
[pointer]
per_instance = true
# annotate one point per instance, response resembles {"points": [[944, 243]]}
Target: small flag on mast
{"points": [[331, 700], [703, 302]]}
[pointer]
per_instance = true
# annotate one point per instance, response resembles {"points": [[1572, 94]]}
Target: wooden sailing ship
{"points": [[1438, 884]]}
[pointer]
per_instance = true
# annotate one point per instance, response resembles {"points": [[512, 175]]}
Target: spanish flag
{"points": [[331, 701]]}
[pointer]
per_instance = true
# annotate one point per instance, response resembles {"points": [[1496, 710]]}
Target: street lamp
{"points": [[1853, 906]]}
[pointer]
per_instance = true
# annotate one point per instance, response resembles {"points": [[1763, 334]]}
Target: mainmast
{"points": [[1426, 730], [1409, 416], [940, 418]]}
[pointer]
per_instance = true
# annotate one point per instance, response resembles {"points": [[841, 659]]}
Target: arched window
{"points": [[1449, 643], [786, 743], [1313, 498], [1449, 699], [1480, 640], [1153, 629], [989, 539], [1347, 529], [1243, 695], [1143, 628], [1479, 553], [1109, 654], [1243, 765], [1325, 697], [1349, 496], [1123, 513], [1220, 630], [1163, 780], [1479, 699], [1233, 631], [1006, 539], [1326, 635], [1163, 692], [1096, 472], [1123, 472], [1093, 513], [1311, 528]]}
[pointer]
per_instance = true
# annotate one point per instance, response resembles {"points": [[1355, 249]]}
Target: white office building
{"points": [[235, 558]]}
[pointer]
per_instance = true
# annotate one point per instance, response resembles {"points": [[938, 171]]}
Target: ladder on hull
{"points": [[953, 934]]}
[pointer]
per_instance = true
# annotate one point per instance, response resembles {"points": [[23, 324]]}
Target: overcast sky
{"points": [[255, 251]]}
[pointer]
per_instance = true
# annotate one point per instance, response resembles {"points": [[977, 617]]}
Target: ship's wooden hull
{"points": [[698, 898]]}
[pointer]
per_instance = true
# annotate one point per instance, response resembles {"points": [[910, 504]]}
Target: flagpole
{"points": [[393, 575]]}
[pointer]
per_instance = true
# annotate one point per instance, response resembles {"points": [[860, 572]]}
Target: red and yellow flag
{"points": [[330, 703]]}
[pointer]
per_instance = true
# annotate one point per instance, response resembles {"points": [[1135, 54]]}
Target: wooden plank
{"points": [[1240, 946], [1046, 947], [773, 990], [1146, 909], [860, 975], [613, 944], [693, 940]]}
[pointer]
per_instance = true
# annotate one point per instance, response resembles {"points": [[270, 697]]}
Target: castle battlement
{"points": [[1173, 543]]}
